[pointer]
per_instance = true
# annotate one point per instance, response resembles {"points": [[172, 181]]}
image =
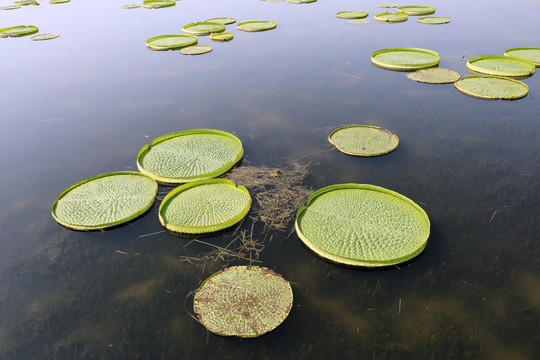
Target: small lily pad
{"points": [[223, 37], [204, 206], [358, 21], [301, 1], [501, 65], [434, 20], [223, 20], [170, 42], [196, 50], [26, 2], [243, 301], [531, 53], [41, 37], [387, 6], [389, 17], [434, 76], [492, 87], [12, 7], [256, 25], [405, 59], [352, 14], [59, 1], [158, 4], [132, 6], [363, 140], [22, 30], [203, 28], [416, 10]]}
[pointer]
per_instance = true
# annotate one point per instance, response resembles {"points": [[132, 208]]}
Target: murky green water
{"points": [[85, 103]]}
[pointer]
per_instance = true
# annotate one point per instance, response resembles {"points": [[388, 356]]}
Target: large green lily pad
{"points": [[41, 37], [352, 14], [170, 42], [405, 59], [434, 75], [190, 155], [223, 20], [204, 206], [105, 200], [530, 53], [362, 225], [363, 140], [434, 20], [196, 50], [256, 25], [243, 301], [11, 7], [389, 17], [158, 4], [492, 87], [416, 10], [203, 28], [501, 65], [22, 30]]}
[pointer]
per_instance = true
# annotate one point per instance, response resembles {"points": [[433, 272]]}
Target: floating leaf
{"points": [[12, 7], [301, 1], [501, 66], [132, 6], [203, 28], [389, 17], [362, 225], [190, 155], [21, 30], [387, 6], [59, 1], [243, 301], [41, 37], [256, 25], [352, 14], [26, 3], [170, 42], [204, 206], [224, 36], [363, 140], [434, 20], [405, 59], [492, 87], [434, 76], [158, 4], [416, 10], [358, 21], [196, 50], [223, 20], [531, 54], [105, 200]]}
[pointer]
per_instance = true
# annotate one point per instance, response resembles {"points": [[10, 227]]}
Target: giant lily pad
{"points": [[416, 10], [352, 14], [243, 301], [302, 1], [531, 54], [170, 42], [501, 66], [223, 20], [256, 25], [434, 20], [434, 76], [59, 1], [362, 225], [11, 7], [405, 59], [196, 50], [203, 28], [389, 17], [105, 200], [363, 140], [158, 4], [204, 206], [22, 30], [190, 155], [223, 37], [492, 87]]}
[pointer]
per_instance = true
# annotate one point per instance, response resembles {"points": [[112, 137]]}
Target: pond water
{"points": [[85, 103]]}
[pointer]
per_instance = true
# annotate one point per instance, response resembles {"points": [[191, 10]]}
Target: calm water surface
{"points": [[85, 103]]}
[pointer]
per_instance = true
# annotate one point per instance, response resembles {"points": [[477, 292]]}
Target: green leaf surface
{"points": [[170, 42], [501, 65], [434, 20], [17, 31], [158, 4], [405, 59], [12, 7], [389, 17], [222, 37], [203, 28], [256, 25], [434, 75], [223, 20], [41, 37], [416, 10], [530, 53], [363, 140], [196, 50], [492, 87], [352, 14]]}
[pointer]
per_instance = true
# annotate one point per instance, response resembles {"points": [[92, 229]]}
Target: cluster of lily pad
{"points": [[18, 4], [25, 30], [401, 15]]}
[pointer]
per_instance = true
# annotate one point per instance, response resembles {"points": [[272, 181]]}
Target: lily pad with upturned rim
{"points": [[352, 14], [434, 76], [158, 4], [26, 2], [362, 225], [203, 28], [256, 25], [387, 6], [17, 31], [196, 50], [389, 17], [434, 20], [222, 37], [243, 301], [302, 1], [59, 1], [41, 37], [11, 7], [223, 20], [105, 200], [530, 53], [190, 155], [405, 59], [491, 87], [363, 140], [501, 65], [170, 42], [416, 10], [204, 206], [131, 6]]}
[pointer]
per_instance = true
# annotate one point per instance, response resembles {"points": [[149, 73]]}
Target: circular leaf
{"points": [[223, 37], [492, 87], [105, 200], [190, 155], [363, 140], [301, 1], [387, 6], [223, 20], [434, 20], [501, 65], [531, 54], [196, 50], [243, 301], [405, 59], [434, 76], [132, 6], [12, 7], [388, 17], [158, 4], [41, 37], [59, 1], [203, 28], [21, 30], [362, 225], [170, 42], [256, 25], [416, 10], [352, 14], [204, 206]]}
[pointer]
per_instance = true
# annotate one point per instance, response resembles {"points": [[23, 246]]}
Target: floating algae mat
{"points": [[362, 225], [204, 206], [389, 17], [256, 25], [170, 42], [352, 14], [416, 10], [434, 20], [501, 65], [243, 301], [434, 76], [196, 50], [363, 140], [41, 37], [190, 155], [531, 54], [223, 37], [405, 59], [492, 87], [203, 28], [105, 200], [21, 30]]}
